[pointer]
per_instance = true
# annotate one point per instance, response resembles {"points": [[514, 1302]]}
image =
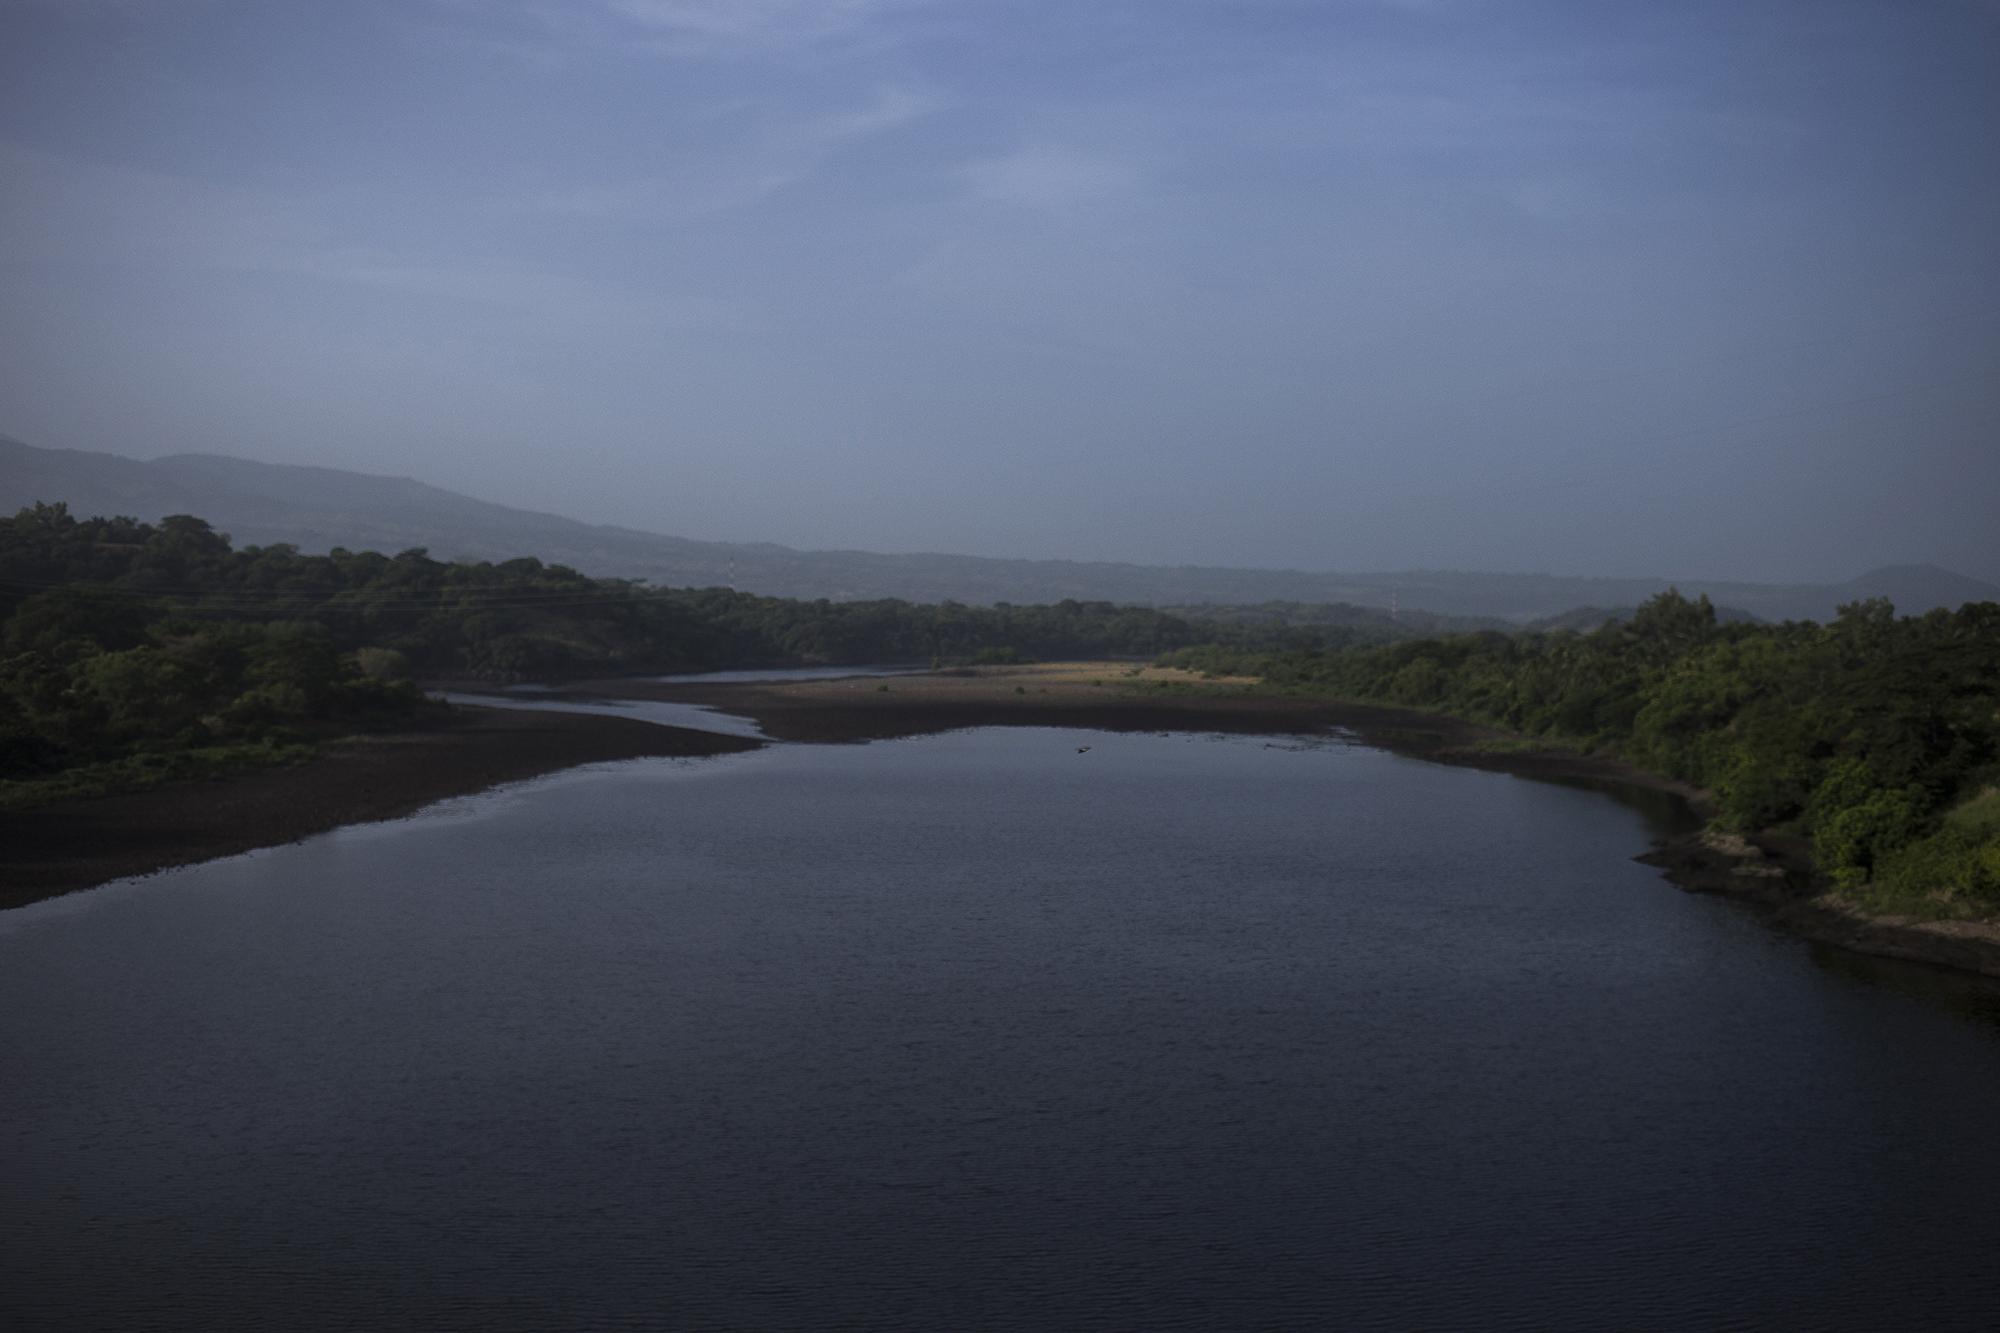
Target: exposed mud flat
{"points": [[76, 844]]}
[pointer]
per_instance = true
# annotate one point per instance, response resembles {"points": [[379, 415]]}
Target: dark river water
{"points": [[688, 717], [792, 673], [978, 1031]]}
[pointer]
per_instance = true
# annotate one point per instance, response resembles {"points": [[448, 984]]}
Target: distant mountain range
{"points": [[317, 508]]}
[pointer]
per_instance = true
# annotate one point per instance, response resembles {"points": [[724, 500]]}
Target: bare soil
{"points": [[76, 844]]}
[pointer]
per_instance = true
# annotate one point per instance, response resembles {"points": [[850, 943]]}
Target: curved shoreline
{"points": [[1771, 879], [71, 845], [79, 843], [1769, 876]]}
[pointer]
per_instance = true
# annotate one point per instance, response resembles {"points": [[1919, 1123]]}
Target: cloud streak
{"points": [[1124, 238], [1052, 177], [70, 213], [728, 178], [700, 25]]}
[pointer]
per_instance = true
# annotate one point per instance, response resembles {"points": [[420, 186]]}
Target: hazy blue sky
{"points": [[1689, 289]]}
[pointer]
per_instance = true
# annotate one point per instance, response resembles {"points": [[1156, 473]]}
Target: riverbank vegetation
{"points": [[106, 688], [132, 653], [1876, 737]]}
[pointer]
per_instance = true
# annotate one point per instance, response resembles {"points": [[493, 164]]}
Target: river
{"points": [[994, 1029]]}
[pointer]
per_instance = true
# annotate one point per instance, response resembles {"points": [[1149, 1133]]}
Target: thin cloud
{"points": [[552, 32], [663, 199], [71, 211], [891, 109], [697, 26], [730, 178], [1051, 177], [1554, 199]]}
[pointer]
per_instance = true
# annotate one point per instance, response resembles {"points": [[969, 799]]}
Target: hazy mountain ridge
{"points": [[1346, 614], [1584, 619], [319, 508]]}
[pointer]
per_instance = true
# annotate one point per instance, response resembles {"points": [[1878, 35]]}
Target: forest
{"points": [[1873, 735], [133, 652]]}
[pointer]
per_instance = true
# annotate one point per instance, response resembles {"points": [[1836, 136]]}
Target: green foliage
{"points": [[76, 618], [100, 584], [120, 638], [1951, 871], [1979, 816], [1851, 839], [1421, 682], [1759, 788], [382, 664], [1865, 731], [111, 675], [149, 769]]}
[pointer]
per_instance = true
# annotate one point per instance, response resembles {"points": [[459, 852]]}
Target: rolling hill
{"points": [[318, 508]]}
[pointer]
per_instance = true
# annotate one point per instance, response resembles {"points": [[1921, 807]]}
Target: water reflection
{"points": [[1964, 994], [1020, 1028], [1668, 815], [689, 717]]}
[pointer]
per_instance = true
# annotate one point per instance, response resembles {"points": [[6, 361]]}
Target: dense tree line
{"points": [[123, 640], [1875, 735], [516, 619], [106, 681]]}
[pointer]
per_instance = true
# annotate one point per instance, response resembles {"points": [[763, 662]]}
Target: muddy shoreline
{"points": [[72, 845], [77, 844], [64, 846], [863, 709], [1772, 877]]}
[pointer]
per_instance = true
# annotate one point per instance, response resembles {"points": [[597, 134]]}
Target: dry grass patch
{"points": [[1109, 673]]}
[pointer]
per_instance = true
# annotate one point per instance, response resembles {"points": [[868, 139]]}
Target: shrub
{"points": [[382, 663], [1855, 823], [1758, 789], [1951, 865]]}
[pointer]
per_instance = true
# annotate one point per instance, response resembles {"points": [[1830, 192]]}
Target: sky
{"points": [[1694, 289]]}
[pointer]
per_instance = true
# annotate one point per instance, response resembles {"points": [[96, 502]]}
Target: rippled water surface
{"points": [[978, 1031]]}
